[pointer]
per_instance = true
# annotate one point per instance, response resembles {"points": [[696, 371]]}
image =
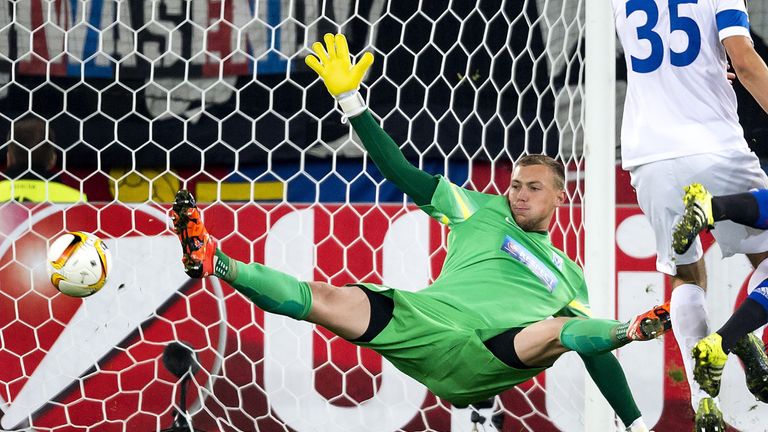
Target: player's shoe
{"points": [[751, 351], [696, 217], [651, 324], [198, 247], [709, 361], [708, 417]]}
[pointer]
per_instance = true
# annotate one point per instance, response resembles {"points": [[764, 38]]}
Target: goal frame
{"points": [[600, 186]]}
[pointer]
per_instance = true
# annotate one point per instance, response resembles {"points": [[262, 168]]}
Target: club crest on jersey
{"points": [[557, 260], [520, 253]]}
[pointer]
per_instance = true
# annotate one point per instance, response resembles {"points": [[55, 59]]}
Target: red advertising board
{"points": [[95, 364]]}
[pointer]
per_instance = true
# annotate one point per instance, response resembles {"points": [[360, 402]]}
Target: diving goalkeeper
{"points": [[482, 327]]}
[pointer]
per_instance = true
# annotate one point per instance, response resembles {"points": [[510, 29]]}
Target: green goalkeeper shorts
{"points": [[451, 361]]}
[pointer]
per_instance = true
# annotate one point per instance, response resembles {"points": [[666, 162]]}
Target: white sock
{"points": [[638, 426], [688, 311]]}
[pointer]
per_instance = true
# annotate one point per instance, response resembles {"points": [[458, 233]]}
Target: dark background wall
{"points": [[442, 80], [433, 92]]}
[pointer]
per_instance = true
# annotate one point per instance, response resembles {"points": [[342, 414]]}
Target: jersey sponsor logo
{"points": [[520, 253]]}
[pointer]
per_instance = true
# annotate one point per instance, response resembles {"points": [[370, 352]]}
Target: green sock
{"points": [[591, 336], [269, 289], [224, 267], [607, 374]]}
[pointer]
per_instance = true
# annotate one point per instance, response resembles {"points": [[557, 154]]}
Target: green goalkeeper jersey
{"points": [[497, 276]]}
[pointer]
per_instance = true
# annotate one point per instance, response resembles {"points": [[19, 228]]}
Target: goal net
{"points": [[146, 97]]}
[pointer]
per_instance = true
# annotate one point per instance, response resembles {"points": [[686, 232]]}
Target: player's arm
{"points": [[750, 67], [386, 154], [342, 78]]}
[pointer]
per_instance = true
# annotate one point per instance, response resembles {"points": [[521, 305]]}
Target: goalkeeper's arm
{"points": [[342, 79]]}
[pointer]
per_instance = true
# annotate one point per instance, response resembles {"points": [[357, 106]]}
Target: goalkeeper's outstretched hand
{"points": [[334, 66]]}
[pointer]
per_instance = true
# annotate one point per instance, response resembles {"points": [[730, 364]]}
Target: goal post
{"points": [[600, 184]]}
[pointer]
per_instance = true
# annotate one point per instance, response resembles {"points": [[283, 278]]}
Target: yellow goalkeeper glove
{"points": [[340, 76]]}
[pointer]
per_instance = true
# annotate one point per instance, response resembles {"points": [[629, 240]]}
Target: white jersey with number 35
{"points": [[679, 101]]}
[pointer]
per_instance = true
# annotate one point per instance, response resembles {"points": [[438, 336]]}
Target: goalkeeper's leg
{"points": [[596, 336], [346, 310], [540, 344]]}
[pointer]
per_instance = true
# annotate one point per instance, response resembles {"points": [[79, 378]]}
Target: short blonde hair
{"points": [[541, 159]]}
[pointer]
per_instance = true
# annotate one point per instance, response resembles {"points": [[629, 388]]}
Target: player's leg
{"points": [[702, 210], [540, 347], [736, 336], [730, 210], [605, 370], [753, 312], [540, 344], [352, 312], [688, 307], [721, 180], [697, 216], [596, 336], [751, 315], [689, 315], [748, 208], [659, 187], [345, 310]]}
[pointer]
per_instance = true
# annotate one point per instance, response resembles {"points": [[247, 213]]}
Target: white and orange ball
{"points": [[78, 263]]}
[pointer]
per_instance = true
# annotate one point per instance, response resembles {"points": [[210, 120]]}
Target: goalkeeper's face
{"points": [[534, 194]]}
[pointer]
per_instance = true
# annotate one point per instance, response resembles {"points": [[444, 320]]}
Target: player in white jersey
{"points": [[681, 127]]}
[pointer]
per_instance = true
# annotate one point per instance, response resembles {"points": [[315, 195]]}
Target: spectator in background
{"points": [[31, 165]]}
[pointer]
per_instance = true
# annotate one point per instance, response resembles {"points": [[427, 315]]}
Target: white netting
{"points": [[148, 96]]}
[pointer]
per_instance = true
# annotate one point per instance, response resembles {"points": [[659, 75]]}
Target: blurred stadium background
{"points": [[146, 97]]}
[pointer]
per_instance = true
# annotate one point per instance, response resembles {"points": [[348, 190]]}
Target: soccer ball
{"points": [[78, 263]]}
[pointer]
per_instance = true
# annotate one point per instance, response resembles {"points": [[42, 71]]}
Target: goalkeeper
{"points": [[481, 327]]}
